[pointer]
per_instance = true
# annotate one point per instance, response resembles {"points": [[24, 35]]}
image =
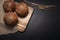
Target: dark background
{"points": [[44, 24]]}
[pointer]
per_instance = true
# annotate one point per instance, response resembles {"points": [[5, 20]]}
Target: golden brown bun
{"points": [[9, 6], [22, 9], [10, 18]]}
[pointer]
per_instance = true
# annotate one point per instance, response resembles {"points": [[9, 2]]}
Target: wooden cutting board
{"points": [[22, 22], [21, 25]]}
